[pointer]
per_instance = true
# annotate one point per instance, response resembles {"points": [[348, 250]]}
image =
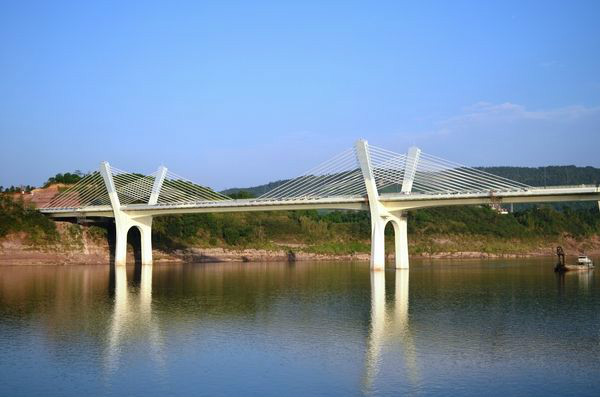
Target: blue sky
{"points": [[241, 93]]}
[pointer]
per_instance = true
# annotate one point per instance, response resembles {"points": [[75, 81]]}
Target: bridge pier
{"points": [[378, 225], [123, 223]]}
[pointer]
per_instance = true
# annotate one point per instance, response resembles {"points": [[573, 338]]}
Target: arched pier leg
{"points": [[145, 225], [378, 244], [121, 229], [401, 241]]}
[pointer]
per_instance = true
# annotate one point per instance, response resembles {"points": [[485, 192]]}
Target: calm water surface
{"points": [[442, 328]]}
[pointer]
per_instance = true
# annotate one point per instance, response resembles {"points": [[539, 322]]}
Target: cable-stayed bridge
{"points": [[364, 177]]}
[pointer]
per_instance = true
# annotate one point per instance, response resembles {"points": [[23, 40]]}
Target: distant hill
{"points": [[554, 175], [255, 190]]}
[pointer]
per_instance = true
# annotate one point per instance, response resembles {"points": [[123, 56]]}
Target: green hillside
{"points": [[548, 176]]}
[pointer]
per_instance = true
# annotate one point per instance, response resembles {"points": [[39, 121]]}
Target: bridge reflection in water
{"points": [[132, 316], [389, 330]]}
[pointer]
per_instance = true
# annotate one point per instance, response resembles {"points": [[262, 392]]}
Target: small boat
{"points": [[583, 263], [584, 260]]}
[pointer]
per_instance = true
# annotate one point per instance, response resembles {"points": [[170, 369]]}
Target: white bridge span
{"points": [[361, 178]]}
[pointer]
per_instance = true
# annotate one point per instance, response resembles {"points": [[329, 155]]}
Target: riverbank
{"points": [[78, 244]]}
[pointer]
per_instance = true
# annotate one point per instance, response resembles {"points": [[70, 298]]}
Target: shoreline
{"points": [[25, 257]]}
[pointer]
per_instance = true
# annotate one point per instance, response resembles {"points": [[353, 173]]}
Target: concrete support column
{"points": [[121, 229], [377, 243], [145, 225], [401, 241]]}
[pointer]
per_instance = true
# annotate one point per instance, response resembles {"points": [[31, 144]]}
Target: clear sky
{"points": [[242, 93]]}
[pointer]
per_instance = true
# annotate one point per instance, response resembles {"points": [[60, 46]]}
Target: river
{"points": [[469, 328]]}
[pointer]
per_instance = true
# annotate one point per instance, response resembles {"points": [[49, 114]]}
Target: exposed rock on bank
{"points": [[258, 255]]}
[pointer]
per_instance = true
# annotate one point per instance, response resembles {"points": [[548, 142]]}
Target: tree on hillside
{"points": [[67, 178], [241, 194]]}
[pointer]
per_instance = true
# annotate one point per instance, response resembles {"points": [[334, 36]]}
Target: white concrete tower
{"points": [[380, 215], [377, 210], [400, 225], [124, 222]]}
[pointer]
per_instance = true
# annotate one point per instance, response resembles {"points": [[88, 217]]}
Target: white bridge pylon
{"points": [[364, 177]]}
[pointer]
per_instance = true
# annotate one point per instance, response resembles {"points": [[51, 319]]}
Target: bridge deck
{"points": [[396, 201]]}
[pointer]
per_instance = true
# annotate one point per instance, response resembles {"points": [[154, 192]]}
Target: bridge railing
{"points": [[583, 185]]}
